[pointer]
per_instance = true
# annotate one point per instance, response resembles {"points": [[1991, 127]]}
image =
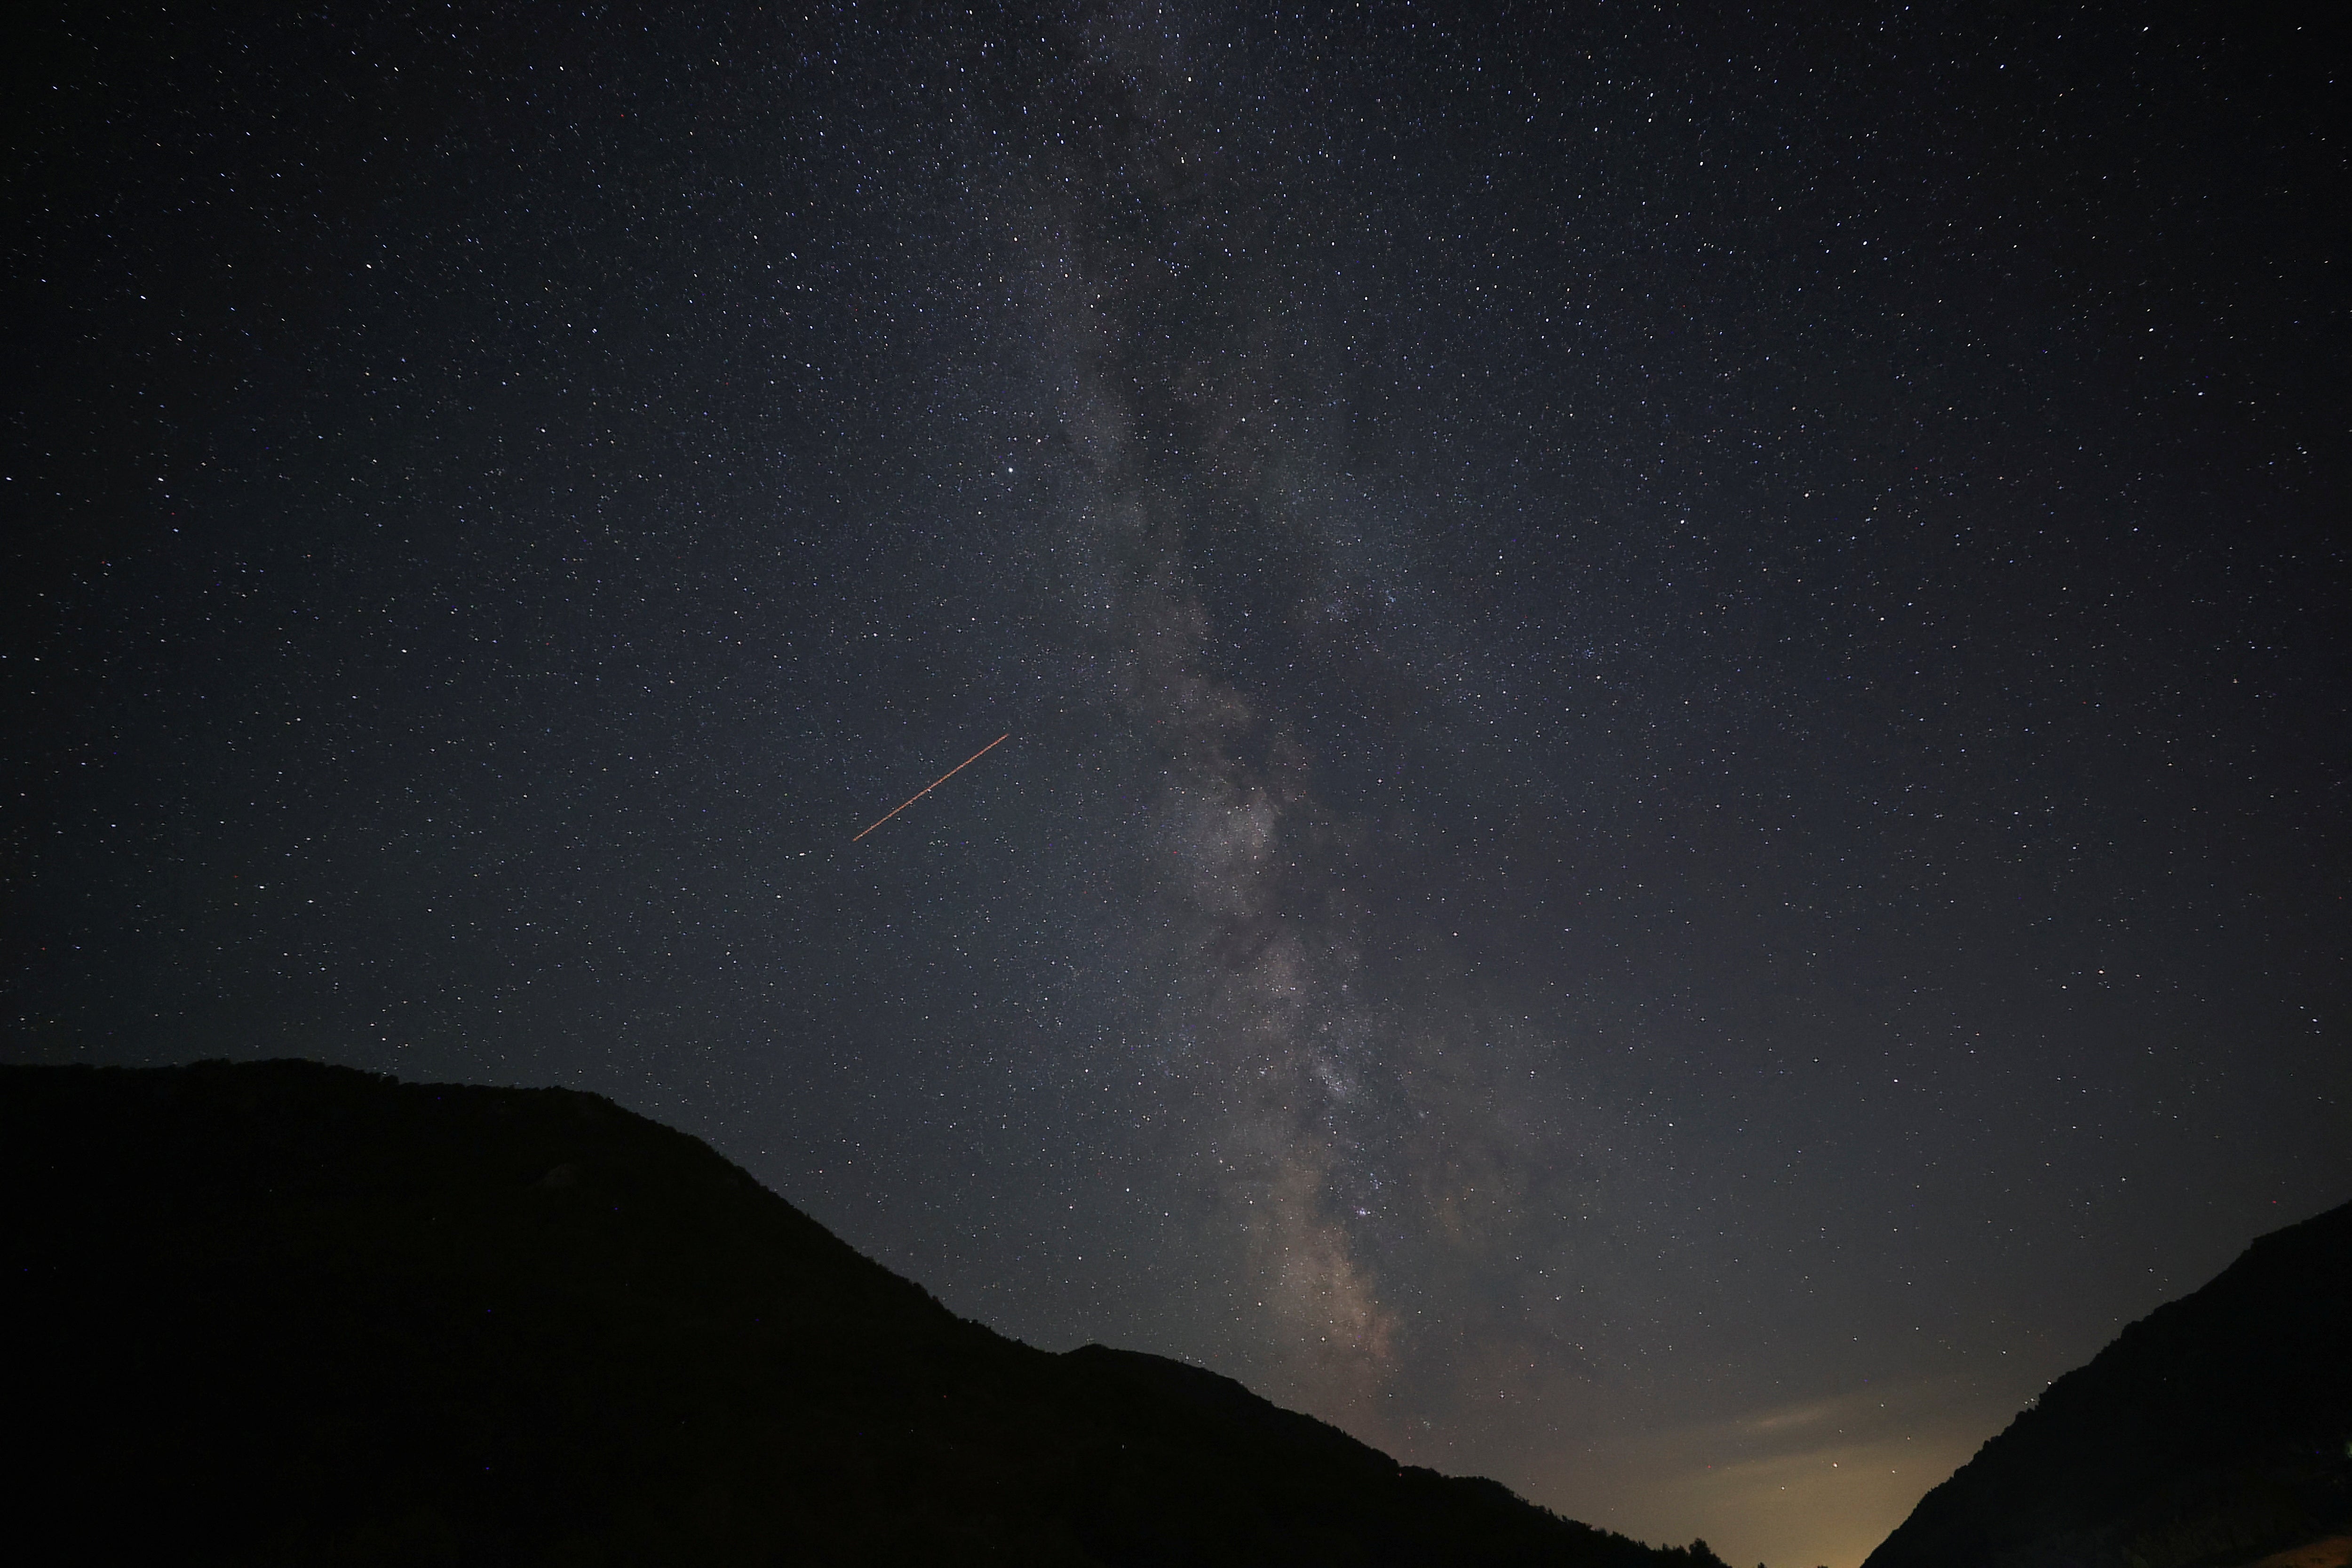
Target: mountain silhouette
{"points": [[283, 1312], [2216, 1430]]}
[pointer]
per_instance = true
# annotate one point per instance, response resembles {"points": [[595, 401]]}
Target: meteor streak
{"points": [[935, 784]]}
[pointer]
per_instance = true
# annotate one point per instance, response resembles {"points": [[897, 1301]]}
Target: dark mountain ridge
{"points": [[2214, 1431], [285, 1312]]}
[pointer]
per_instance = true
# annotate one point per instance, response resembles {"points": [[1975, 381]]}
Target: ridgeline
{"points": [[288, 1313], [2216, 1430]]}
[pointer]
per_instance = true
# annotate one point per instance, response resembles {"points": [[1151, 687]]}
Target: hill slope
{"points": [[2216, 1429], [284, 1312]]}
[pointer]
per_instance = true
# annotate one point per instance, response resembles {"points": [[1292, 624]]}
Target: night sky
{"points": [[1675, 817]]}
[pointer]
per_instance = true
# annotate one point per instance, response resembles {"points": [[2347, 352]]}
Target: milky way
{"points": [[1358, 1153], [1674, 820]]}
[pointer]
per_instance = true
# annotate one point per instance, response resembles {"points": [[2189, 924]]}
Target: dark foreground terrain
{"points": [[2216, 1430], [284, 1313]]}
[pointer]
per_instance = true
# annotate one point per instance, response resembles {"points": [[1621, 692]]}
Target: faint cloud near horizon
{"points": [[1812, 1484]]}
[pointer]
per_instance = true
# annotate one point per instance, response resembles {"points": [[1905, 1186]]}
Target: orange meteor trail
{"points": [[937, 781]]}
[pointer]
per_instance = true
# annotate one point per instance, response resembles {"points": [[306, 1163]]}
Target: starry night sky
{"points": [[1675, 818]]}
